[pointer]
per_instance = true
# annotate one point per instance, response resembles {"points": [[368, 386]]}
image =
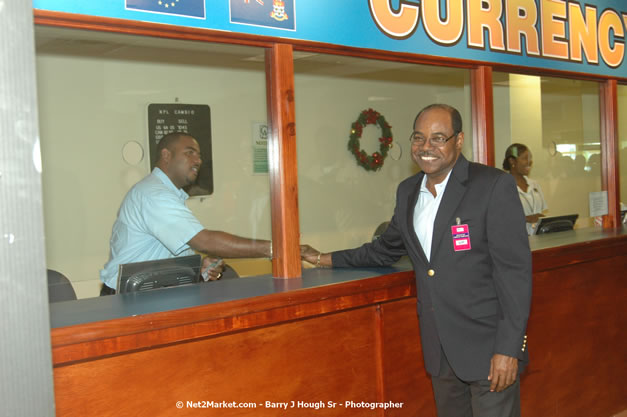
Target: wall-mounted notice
{"points": [[598, 203], [194, 119], [260, 148]]}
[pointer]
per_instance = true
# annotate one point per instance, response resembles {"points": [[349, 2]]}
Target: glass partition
{"points": [[344, 198], [94, 94], [622, 144], [558, 121]]}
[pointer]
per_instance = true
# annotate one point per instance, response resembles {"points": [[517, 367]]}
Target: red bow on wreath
{"points": [[375, 161]]}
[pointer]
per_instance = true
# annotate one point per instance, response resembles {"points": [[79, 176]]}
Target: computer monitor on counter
{"points": [[556, 224], [149, 275]]}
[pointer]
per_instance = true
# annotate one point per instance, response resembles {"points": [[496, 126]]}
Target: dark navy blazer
{"points": [[472, 303]]}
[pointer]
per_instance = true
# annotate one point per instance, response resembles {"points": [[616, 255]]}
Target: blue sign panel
{"points": [[269, 13], [191, 8], [582, 36]]}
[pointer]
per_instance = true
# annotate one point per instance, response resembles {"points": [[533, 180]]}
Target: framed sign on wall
{"points": [[194, 119]]}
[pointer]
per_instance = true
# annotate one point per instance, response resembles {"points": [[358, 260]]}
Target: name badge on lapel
{"points": [[461, 237]]}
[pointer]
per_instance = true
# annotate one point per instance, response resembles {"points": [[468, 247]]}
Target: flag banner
{"points": [[190, 8], [278, 14]]}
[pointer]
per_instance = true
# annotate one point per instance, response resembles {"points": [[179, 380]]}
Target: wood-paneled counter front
{"points": [[332, 336], [334, 343]]}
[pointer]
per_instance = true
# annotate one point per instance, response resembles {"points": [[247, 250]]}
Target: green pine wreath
{"points": [[375, 161]]}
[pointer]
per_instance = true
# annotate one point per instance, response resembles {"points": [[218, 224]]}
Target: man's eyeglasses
{"points": [[436, 141]]}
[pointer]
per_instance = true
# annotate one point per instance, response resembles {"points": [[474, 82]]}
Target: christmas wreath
{"points": [[375, 161]]}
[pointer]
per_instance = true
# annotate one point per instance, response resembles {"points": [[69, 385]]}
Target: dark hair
{"points": [[168, 142], [513, 151], [456, 118]]}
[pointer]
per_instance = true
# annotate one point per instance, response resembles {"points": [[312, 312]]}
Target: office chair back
{"points": [[59, 287]]}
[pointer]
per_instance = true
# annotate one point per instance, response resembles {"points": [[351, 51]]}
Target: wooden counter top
{"points": [[336, 335], [549, 251]]}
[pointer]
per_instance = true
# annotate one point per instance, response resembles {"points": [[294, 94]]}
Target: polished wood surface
{"points": [[330, 358], [600, 244], [577, 341], [610, 175], [100, 338], [482, 114], [354, 342], [402, 351], [351, 341], [282, 161], [576, 336]]}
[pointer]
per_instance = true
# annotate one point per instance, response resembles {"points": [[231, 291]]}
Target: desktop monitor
{"points": [[556, 224], [148, 275]]}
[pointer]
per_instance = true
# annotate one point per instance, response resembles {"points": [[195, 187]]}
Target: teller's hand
{"points": [[212, 268]]}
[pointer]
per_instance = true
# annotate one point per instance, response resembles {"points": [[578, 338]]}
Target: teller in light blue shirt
{"points": [[154, 223]]}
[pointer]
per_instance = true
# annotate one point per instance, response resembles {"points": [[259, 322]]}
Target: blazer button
{"points": [[431, 272]]}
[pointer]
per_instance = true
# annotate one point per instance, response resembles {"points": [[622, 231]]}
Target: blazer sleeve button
{"points": [[431, 272]]}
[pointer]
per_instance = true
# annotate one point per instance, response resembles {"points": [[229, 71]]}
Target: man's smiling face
{"points": [[436, 160]]}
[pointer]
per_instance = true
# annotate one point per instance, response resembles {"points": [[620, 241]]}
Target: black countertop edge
{"points": [[88, 310]]}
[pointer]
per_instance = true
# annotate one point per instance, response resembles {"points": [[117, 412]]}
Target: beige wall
{"points": [[341, 204], [94, 94], [543, 112], [90, 106], [93, 100]]}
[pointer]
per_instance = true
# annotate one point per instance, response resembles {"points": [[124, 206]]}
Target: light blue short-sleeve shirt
{"points": [[153, 223]]}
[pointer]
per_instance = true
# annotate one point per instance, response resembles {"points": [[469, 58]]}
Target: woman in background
{"points": [[518, 161]]}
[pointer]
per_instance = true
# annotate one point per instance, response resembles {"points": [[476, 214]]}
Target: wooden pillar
{"points": [[282, 161], [610, 177], [482, 102]]}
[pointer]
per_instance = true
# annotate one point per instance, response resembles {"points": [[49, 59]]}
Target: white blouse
{"points": [[532, 201]]}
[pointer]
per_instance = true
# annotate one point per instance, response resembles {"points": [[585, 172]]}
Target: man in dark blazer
{"points": [[463, 227]]}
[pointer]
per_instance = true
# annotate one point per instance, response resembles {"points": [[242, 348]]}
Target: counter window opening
{"points": [[94, 91], [330, 91]]}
